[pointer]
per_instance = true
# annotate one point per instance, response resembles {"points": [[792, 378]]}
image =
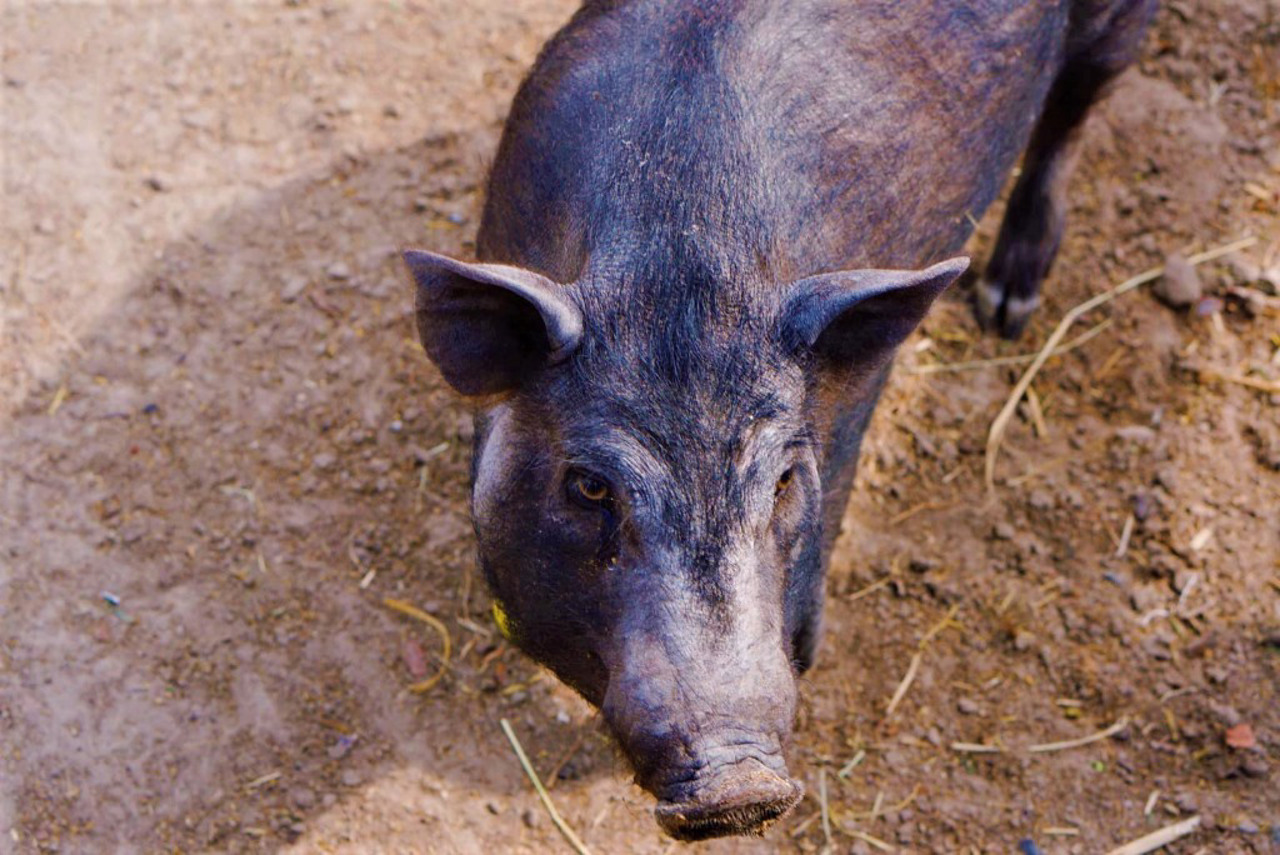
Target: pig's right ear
{"points": [[858, 317], [488, 326]]}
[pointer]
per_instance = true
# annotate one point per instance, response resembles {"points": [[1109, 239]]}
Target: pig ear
{"points": [[860, 316], [488, 326]]}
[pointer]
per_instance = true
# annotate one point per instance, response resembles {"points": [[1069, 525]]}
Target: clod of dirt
{"points": [[293, 288], [1180, 285], [302, 798], [1241, 736]]}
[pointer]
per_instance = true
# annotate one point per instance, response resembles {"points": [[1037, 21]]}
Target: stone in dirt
{"points": [[1180, 285]]}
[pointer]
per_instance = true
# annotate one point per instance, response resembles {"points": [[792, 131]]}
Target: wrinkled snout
{"points": [[742, 795], [707, 744]]}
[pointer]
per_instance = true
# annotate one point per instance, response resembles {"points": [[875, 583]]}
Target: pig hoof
{"points": [[996, 310], [748, 804]]}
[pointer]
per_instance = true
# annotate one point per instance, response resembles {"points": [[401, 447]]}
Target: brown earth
{"points": [[213, 408]]}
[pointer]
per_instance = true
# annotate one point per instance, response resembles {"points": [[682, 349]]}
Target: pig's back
{"points": [[898, 125], [811, 134]]}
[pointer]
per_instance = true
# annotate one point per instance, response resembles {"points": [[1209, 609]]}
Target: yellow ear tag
{"points": [[500, 618]]}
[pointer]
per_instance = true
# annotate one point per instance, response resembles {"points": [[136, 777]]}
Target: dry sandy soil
{"points": [[221, 448]]}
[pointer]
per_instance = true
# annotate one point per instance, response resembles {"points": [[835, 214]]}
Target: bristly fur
{"points": [[682, 189]]}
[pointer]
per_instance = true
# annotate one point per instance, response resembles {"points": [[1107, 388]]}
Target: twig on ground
{"points": [[804, 825], [1125, 534], [1046, 747], [947, 622], [1037, 413], [867, 838], [870, 589], [1151, 803], [901, 691], [996, 434], [567, 832], [823, 806], [847, 769], [877, 806], [1272, 386], [1159, 838], [976, 748], [1019, 359], [911, 512], [435, 623]]}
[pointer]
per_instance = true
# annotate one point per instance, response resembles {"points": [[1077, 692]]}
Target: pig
{"points": [[708, 227]]}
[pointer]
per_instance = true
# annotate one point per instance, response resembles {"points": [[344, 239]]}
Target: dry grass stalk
{"points": [[867, 838], [1125, 535], [911, 512], [1271, 386], [823, 806], [416, 613], [870, 589], [975, 748], [1037, 413], [1046, 747], [1019, 359], [1159, 838], [901, 691], [996, 434], [565, 831]]}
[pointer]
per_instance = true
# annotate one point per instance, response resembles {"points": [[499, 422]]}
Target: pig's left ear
{"points": [[489, 326], [860, 316]]}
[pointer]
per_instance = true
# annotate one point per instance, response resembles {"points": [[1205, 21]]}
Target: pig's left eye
{"points": [[784, 483], [587, 490]]}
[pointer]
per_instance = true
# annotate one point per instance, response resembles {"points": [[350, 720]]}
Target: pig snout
{"points": [[740, 788], [707, 742]]}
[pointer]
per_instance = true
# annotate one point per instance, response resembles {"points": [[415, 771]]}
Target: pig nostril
{"points": [[746, 799]]}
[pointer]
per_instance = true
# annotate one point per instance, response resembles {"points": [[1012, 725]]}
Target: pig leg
{"points": [[1009, 291]]}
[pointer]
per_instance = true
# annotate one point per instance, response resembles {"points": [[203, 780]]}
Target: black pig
{"points": [[708, 227]]}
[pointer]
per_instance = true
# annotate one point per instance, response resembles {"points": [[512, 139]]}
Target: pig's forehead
{"points": [[668, 430]]}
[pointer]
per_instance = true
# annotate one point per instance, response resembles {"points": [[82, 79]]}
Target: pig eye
{"points": [[784, 483], [587, 490]]}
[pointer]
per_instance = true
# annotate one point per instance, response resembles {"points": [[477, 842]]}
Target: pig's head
{"points": [[647, 497]]}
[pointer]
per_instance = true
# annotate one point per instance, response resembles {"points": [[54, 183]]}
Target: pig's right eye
{"points": [[587, 490]]}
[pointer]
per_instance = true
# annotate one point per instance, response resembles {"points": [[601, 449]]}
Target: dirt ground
{"points": [[221, 448]]}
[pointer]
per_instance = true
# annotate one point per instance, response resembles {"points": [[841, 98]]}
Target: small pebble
{"points": [[1180, 285], [302, 798], [1247, 826], [1141, 506], [529, 818], [293, 288], [350, 778], [1208, 306], [1041, 500], [157, 184], [1255, 767], [338, 270], [1003, 531], [967, 706]]}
